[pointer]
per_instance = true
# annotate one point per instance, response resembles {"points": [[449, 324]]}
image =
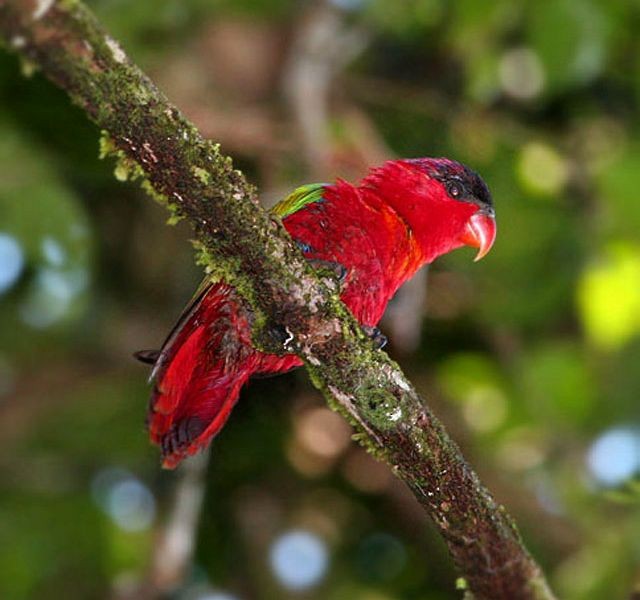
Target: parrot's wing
{"points": [[167, 345], [296, 200], [299, 198]]}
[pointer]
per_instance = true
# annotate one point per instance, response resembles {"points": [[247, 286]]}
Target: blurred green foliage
{"points": [[531, 356]]}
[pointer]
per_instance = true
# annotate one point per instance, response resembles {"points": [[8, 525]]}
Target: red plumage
{"points": [[400, 217]]}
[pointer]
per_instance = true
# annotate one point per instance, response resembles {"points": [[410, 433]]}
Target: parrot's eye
{"points": [[455, 190]]}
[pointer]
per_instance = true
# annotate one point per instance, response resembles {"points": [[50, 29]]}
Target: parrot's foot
{"points": [[378, 338], [335, 268], [280, 335]]}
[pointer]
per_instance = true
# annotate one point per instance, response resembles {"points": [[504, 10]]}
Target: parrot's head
{"points": [[445, 204]]}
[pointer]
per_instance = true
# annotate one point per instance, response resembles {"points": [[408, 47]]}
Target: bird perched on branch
{"points": [[373, 236]]}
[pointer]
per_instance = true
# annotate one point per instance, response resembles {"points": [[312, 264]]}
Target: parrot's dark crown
{"points": [[461, 182]]}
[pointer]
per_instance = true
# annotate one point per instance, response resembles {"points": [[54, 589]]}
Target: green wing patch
{"points": [[299, 198]]}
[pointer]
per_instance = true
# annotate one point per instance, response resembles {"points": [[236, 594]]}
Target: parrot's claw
{"points": [[339, 271], [378, 338], [279, 334]]}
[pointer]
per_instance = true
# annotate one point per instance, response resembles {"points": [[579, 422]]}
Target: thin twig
{"points": [[174, 551], [322, 46]]}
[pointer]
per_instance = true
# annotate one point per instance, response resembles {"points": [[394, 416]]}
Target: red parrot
{"points": [[373, 236]]}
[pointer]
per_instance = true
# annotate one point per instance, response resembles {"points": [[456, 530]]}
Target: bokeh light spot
{"points": [[485, 408], [53, 252], [475, 381], [299, 559], [521, 448], [124, 498], [322, 432], [365, 473], [609, 297], [11, 261], [52, 295], [614, 456], [131, 505], [521, 73], [542, 169]]}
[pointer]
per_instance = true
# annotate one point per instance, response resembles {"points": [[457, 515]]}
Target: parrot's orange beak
{"points": [[480, 231]]}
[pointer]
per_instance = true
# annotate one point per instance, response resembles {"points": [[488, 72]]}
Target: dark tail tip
{"points": [[148, 357]]}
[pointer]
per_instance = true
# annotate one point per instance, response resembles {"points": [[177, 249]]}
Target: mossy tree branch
{"points": [[239, 241]]}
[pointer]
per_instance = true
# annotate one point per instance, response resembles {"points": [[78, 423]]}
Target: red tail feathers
{"points": [[199, 373]]}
